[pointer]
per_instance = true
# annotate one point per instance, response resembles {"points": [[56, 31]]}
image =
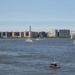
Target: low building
{"points": [[0, 34], [72, 34], [27, 34], [42, 34], [64, 33], [22, 34], [16, 34], [10, 34], [52, 33], [4, 34], [30, 34], [34, 34]]}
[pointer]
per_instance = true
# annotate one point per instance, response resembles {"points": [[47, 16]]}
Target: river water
{"points": [[19, 57]]}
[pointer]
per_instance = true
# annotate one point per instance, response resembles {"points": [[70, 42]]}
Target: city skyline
{"points": [[41, 15]]}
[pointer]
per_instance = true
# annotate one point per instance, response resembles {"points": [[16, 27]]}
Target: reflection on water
{"points": [[18, 57]]}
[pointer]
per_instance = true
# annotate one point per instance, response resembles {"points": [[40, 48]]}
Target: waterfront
{"points": [[19, 57]]}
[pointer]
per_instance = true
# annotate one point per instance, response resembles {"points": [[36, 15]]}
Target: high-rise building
{"points": [[29, 31], [29, 28]]}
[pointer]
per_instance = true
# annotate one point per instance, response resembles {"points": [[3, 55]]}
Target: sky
{"points": [[41, 15]]}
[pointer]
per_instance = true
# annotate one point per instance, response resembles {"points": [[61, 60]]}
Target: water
{"points": [[19, 57]]}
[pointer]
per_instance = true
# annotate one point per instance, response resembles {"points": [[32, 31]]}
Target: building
{"points": [[9, 34], [16, 34], [27, 34], [30, 34], [42, 34], [52, 33], [22, 34], [34, 34], [72, 34], [3, 34], [0, 34], [64, 33]]}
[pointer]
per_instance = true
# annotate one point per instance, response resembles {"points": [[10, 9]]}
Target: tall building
{"points": [[52, 33], [29, 28], [30, 32], [64, 33]]}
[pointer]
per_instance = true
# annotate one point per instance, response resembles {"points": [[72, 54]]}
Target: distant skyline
{"points": [[41, 15]]}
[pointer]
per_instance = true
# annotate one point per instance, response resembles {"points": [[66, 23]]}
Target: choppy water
{"points": [[19, 57]]}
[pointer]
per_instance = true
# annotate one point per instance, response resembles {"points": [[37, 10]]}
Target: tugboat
{"points": [[54, 66]]}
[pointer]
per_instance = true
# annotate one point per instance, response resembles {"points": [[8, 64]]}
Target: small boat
{"points": [[54, 66], [29, 40], [37, 39]]}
